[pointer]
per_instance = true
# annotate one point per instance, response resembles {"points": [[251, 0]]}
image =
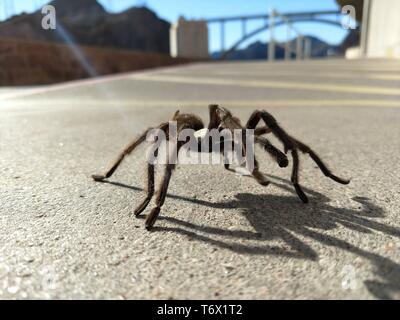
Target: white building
{"points": [[382, 30], [189, 39]]}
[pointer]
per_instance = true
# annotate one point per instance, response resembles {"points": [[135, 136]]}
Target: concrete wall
{"points": [[189, 39], [30, 62], [384, 29]]}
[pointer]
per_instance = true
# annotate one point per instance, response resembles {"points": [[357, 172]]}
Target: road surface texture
{"points": [[220, 235]]}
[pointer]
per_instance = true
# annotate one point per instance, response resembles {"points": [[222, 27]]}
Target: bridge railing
{"points": [[273, 20], [303, 45]]}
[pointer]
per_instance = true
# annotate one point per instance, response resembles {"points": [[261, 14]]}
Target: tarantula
{"points": [[220, 119]]}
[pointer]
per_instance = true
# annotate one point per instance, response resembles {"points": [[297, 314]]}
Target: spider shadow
{"points": [[284, 218]]}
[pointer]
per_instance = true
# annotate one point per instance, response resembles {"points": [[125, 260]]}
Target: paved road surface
{"points": [[221, 235]]}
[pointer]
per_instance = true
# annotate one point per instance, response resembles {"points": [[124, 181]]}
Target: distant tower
{"points": [[189, 39]]}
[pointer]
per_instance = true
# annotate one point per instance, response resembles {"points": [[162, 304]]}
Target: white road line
{"points": [[273, 84], [305, 75], [70, 103]]}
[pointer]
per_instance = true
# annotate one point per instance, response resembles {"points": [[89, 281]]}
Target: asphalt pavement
{"points": [[220, 235]]}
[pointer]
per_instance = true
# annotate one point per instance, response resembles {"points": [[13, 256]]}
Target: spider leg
{"points": [[261, 131], [295, 177], [215, 120], [232, 123], [162, 193], [150, 188], [278, 155], [291, 144], [257, 175], [126, 151], [214, 123], [325, 170], [225, 156], [288, 144]]}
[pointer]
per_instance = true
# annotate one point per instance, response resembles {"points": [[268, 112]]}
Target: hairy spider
{"points": [[220, 119]]}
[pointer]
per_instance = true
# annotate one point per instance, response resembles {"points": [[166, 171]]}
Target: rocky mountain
{"points": [[259, 50], [351, 40], [357, 4], [86, 22]]}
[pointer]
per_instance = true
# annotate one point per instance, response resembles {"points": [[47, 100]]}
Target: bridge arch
{"points": [[277, 24]]}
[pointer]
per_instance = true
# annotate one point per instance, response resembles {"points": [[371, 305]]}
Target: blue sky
{"points": [[172, 9]]}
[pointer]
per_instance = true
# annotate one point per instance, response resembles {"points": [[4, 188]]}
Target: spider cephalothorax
{"points": [[222, 119]]}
